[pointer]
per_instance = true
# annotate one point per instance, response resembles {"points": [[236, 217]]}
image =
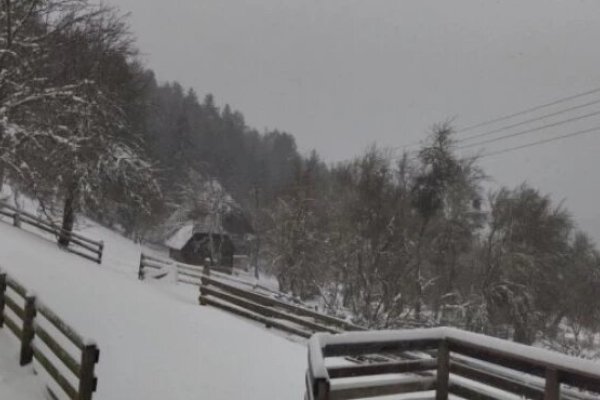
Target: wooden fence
{"points": [[161, 266], [453, 362], [287, 317], [471, 363], [49, 340], [157, 268], [78, 244], [245, 299]]}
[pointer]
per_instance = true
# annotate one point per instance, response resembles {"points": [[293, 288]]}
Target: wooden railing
{"points": [[243, 298], [49, 340], [274, 313], [157, 268], [450, 361], [78, 244], [161, 266]]}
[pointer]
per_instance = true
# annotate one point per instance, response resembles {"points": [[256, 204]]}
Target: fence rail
{"points": [[294, 319], [157, 268], [245, 299], [418, 357], [78, 244], [33, 324], [446, 370]]}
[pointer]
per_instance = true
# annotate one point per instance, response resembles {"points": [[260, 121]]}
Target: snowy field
{"points": [[16, 383], [156, 342]]}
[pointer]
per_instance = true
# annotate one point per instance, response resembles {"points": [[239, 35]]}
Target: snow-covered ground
{"points": [[16, 383], [156, 342]]}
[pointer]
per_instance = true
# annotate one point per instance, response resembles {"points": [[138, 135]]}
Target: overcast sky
{"points": [[341, 74]]}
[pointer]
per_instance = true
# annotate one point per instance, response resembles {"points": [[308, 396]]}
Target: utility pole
{"points": [[256, 233]]}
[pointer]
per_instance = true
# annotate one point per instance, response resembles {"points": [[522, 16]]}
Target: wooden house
{"points": [[212, 239]]}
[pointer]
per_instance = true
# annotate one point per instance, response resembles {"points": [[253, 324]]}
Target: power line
{"points": [[503, 137], [506, 127], [528, 110], [540, 142]]}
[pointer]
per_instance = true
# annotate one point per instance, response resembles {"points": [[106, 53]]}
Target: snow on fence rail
{"points": [[78, 244], [158, 268], [49, 340], [446, 369], [274, 313], [243, 298]]}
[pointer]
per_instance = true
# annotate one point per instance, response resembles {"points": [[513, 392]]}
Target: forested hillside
{"points": [[86, 128]]}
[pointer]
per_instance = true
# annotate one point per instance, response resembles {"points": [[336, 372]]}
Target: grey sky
{"points": [[340, 74]]}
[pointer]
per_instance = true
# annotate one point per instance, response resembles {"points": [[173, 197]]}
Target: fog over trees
{"points": [[390, 241]]}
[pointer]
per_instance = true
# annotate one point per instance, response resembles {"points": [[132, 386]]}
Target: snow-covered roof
{"points": [[181, 236], [208, 224]]}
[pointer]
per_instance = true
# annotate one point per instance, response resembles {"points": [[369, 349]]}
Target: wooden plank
{"points": [[188, 281], [160, 260], [552, 388], [497, 356], [146, 265], [87, 382], [150, 264], [443, 371], [16, 286], [580, 380], [44, 223], [396, 367], [267, 301], [27, 332], [56, 348], [93, 248], [391, 346], [13, 326], [509, 385], [2, 297], [255, 317], [50, 225], [266, 311], [416, 384], [191, 276], [62, 326], [64, 384], [193, 272], [79, 253], [469, 392], [51, 394], [18, 310]]}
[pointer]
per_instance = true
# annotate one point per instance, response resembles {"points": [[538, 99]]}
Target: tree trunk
{"points": [[523, 334], [1, 175], [68, 218]]}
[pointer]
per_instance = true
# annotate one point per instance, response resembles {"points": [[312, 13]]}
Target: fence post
{"points": [[206, 270], [87, 381], [141, 268], [203, 283], [443, 370], [2, 294], [27, 332], [321, 389], [17, 219], [100, 251], [552, 389]]}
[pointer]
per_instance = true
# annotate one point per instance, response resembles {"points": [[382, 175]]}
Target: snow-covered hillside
{"points": [[16, 383], [156, 342]]}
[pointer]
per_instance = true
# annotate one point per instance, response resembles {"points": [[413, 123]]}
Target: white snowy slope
{"points": [[16, 383], [154, 345]]}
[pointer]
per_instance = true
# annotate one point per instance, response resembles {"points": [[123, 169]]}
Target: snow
{"points": [[557, 360], [180, 237], [16, 383], [155, 341]]}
